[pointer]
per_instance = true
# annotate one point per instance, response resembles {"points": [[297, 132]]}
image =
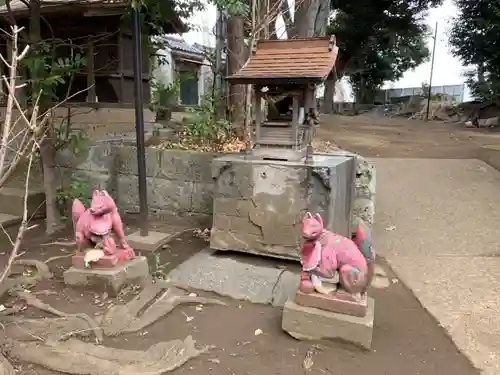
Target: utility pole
{"points": [[432, 72]]}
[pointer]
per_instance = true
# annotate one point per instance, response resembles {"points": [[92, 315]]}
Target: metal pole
{"points": [[432, 72], [139, 122]]}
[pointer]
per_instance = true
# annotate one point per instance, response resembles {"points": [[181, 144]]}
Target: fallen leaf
{"points": [[391, 228], [258, 332], [188, 318], [193, 295], [199, 308], [308, 363], [214, 360]]}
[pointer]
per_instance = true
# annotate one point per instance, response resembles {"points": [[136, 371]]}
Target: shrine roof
{"points": [[289, 61]]}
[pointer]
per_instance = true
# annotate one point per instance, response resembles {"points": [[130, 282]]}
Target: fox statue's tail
{"points": [[363, 240], [77, 210]]}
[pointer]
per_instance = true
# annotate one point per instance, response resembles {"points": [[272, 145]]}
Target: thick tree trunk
{"points": [[47, 148], [321, 21], [237, 56], [305, 19], [329, 94]]}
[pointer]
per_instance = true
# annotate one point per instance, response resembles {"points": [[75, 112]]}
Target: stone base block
{"points": [[107, 261], [333, 303], [259, 204], [110, 280], [152, 242], [307, 323]]}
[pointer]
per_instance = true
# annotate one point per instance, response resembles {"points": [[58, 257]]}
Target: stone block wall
{"points": [[179, 182]]}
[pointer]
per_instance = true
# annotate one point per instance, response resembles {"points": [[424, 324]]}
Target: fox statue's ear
{"points": [[95, 193], [319, 218], [308, 215]]}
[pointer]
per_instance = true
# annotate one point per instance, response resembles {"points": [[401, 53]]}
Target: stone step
{"points": [[7, 220], [12, 202]]}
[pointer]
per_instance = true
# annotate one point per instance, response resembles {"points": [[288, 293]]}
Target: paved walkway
{"points": [[437, 225]]}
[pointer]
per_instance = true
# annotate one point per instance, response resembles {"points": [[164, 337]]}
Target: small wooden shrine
{"points": [[285, 73]]}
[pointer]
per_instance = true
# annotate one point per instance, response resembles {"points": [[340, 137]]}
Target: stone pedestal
{"points": [[107, 261], [150, 243], [259, 204], [308, 323], [110, 280], [340, 302]]}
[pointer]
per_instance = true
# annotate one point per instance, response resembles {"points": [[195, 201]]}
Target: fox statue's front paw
{"points": [[306, 285]]}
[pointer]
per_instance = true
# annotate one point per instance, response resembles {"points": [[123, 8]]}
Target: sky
{"points": [[447, 69]]}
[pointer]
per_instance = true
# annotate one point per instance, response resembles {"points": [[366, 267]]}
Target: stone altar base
{"points": [[308, 323], [150, 243], [109, 280], [259, 204], [333, 303]]}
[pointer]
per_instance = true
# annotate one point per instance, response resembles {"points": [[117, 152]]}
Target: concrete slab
{"points": [[307, 323], [236, 279], [443, 245], [491, 155], [8, 220], [152, 242], [110, 280]]}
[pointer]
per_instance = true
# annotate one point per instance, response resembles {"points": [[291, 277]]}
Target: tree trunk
{"points": [[329, 94], [305, 18], [237, 56], [47, 148], [321, 21], [48, 154], [287, 17]]}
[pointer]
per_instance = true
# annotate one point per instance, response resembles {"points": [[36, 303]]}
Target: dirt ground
{"points": [[402, 138], [406, 337]]}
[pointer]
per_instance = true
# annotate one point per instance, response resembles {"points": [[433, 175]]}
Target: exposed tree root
{"points": [[33, 301], [11, 310], [42, 272], [59, 243], [45, 330], [5, 367], [128, 318], [51, 259], [77, 357]]}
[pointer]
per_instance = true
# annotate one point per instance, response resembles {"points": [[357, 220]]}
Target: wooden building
{"points": [[101, 31]]}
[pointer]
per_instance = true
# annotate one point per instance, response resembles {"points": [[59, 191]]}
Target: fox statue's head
{"points": [[312, 226]]}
